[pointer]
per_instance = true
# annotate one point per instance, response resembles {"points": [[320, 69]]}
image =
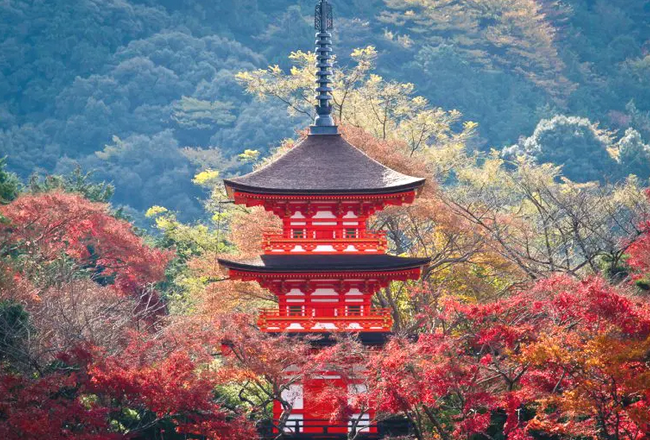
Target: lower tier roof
{"points": [[325, 263]]}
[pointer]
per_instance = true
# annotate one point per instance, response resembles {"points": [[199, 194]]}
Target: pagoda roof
{"points": [[324, 164], [324, 263]]}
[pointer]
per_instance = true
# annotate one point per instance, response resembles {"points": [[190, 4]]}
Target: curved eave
{"points": [[326, 264], [232, 186]]}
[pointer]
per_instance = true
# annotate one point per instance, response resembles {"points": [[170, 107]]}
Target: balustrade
{"points": [[346, 318], [340, 241]]}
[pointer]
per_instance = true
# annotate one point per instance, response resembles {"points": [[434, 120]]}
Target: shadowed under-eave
{"points": [[325, 263]]}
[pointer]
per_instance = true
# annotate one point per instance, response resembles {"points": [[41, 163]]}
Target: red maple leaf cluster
{"points": [[46, 226], [567, 358], [79, 357]]}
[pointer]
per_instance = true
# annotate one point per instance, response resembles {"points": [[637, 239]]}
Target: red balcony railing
{"points": [[294, 428], [325, 319], [284, 242]]}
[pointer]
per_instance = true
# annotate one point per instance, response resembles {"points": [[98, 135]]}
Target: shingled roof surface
{"points": [[324, 164], [325, 263]]}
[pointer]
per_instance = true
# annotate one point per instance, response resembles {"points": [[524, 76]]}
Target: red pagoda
{"points": [[325, 266]]}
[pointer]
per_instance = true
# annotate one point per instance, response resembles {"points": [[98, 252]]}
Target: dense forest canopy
{"points": [[138, 90]]}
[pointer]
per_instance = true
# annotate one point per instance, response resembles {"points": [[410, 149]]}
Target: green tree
{"points": [[198, 114], [147, 170], [9, 183], [579, 146], [634, 154], [76, 182]]}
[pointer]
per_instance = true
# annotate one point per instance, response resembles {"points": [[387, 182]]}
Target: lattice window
{"points": [[356, 310], [296, 310]]}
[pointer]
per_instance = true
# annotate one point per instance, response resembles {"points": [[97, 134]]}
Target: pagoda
{"points": [[325, 266]]}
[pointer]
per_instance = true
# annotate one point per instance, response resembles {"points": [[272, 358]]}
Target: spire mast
{"points": [[323, 23]]}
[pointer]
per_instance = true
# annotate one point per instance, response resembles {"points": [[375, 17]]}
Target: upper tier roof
{"points": [[324, 164]]}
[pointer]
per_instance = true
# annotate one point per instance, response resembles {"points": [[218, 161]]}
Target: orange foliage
{"points": [[247, 228]]}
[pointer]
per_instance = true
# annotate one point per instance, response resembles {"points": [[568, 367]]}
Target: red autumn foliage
{"points": [[50, 406], [166, 388], [263, 365], [566, 357], [48, 225], [171, 382], [82, 365]]}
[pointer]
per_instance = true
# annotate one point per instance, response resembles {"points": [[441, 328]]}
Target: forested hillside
{"points": [[145, 94]]}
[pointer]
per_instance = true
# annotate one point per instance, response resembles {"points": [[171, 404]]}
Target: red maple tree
{"points": [[566, 357], [45, 226]]}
